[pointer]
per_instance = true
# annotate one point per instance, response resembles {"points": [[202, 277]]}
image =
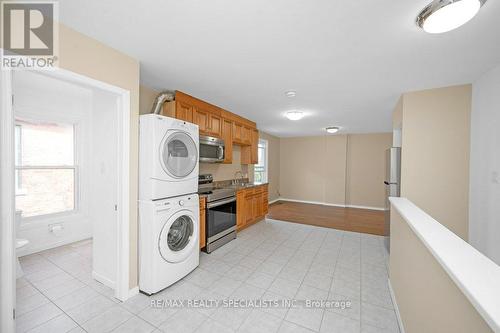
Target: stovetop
{"points": [[214, 194]]}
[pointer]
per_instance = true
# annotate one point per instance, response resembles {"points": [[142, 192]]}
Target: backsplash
{"points": [[227, 171]]}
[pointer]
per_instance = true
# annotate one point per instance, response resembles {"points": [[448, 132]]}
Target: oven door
{"points": [[211, 149], [221, 218]]}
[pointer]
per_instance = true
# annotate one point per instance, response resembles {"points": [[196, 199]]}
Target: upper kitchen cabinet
{"points": [[216, 122], [178, 109], [237, 129], [201, 118], [227, 136], [208, 120], [242, 134], [214, 125], [249, 154]]}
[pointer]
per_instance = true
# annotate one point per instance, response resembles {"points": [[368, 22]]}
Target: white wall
{"points": [[484, 210]]}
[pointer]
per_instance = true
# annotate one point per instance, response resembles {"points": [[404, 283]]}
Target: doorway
{"points": [[68, 170]]}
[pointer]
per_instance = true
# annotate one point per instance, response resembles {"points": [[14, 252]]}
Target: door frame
{"points": [[7, 203], [7, 231]]}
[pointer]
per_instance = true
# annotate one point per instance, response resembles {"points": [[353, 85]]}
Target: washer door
{"points": [[177, 237], [178, 154]]}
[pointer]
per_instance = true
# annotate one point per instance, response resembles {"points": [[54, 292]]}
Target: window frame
{"points": [[265, 170], [31, 221]]}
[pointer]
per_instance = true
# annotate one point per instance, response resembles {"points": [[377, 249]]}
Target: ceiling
{"points": [[348, 60]]}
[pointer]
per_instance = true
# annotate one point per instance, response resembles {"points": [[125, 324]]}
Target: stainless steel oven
{"points": [[211, 149], [220, 213], [221, 222]]}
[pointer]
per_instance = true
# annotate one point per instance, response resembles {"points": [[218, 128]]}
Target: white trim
{"points": [[329, 204], [265, 143], [365, 207], [396, 308], [7, 210], [133, 292], [313, 202], [123, 263], [25, 252], [474, 274], [273, 201], [105, 281]]}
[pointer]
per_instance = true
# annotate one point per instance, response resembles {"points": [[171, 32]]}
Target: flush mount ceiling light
{"points": [[445, 15], [294, 115], [332, 129], [290, 93]]}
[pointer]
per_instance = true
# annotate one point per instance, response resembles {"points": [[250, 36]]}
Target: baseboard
{"points": [[104, 280], [365, 207], [312, 202], [66, 241], [134, 291], [273, 201], [329, 204], [396, 308]]}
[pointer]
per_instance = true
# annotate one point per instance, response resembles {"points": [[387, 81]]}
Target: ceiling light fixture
{"points": [[295, 115], [445, 15], [332, 129], [290, 93]]}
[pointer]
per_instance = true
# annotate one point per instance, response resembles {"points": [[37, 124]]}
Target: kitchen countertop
{"points": [[237, 187]]}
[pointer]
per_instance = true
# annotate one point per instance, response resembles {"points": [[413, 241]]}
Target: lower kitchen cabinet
{"points": [[251, 205], [202, 222]]}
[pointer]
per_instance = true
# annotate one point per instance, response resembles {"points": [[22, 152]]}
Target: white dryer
{"points": [[168, 157], [168, 241]]}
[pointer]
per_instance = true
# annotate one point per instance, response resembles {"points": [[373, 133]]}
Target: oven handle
{"points": [[220, 203]]}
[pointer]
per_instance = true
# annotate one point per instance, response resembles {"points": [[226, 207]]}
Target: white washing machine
{"points": [[168, 241], [168, 157]]}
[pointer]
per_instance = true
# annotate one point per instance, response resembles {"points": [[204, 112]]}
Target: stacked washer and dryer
{"points": [[168, 201]]}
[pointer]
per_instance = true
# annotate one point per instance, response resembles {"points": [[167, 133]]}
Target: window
{"points": [[260, 169], [46, 173]]}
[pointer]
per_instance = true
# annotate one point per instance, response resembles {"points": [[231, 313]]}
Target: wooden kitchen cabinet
{"points": [[214, 125], [184, 111], [246, 135], [212, 120], [179, 110], [254, 148], [200, 118], [265, 200], [240, 209], [250, 154], [208, 123], [251, 206], [237, 129], [202, 222], [227, 136]]}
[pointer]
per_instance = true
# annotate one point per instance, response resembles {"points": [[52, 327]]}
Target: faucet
{"points": [[235, 181]]}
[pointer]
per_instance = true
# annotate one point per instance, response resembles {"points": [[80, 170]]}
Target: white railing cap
{"points": [[475, 275]]}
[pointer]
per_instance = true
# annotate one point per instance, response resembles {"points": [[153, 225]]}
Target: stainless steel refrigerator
{"points": [[392, 186]]}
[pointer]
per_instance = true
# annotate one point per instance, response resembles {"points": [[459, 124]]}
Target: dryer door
{"points": [[178, 154], [178, 237]]}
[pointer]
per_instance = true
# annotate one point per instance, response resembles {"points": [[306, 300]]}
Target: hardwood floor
{"points": [[349, 219]]}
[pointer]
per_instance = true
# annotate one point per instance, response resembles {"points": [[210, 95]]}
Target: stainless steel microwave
{"points": [[211, 149]]}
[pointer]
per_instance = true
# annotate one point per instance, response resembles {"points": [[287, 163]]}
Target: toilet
{"points": [[20, 243]]}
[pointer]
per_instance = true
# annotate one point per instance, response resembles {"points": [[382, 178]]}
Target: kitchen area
{"points": [[228, 150]]}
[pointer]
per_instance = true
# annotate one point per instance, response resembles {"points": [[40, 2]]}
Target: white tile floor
{"points": [[270, 261]]}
